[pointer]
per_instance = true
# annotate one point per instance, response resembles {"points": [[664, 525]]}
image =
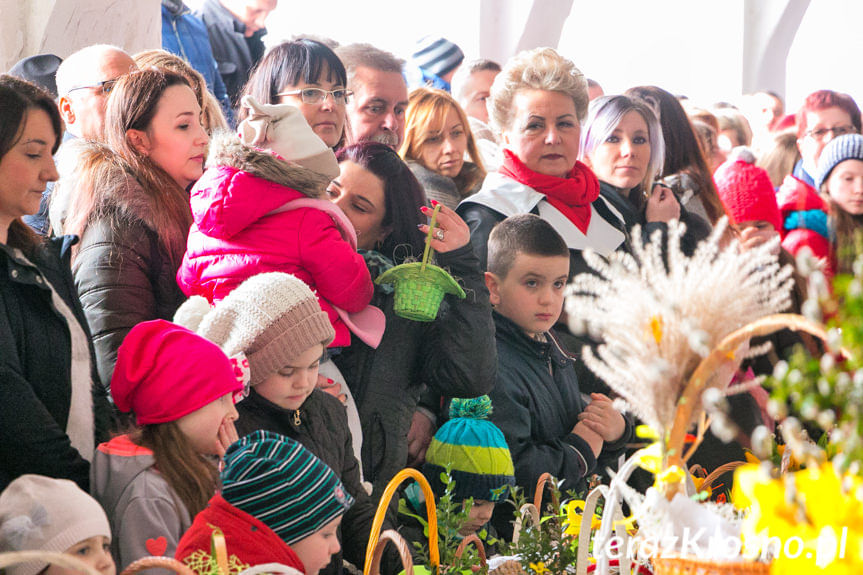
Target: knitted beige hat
{"points": [[282, 129], [271, 317], [43, 514]]}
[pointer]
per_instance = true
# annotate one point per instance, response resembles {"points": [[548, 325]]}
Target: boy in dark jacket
{"points": [[547, 423]]}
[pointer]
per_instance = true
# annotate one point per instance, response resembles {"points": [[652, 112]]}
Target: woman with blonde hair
{"points": [[437, 136], [537, 105], [211, 112], [130, 207]]}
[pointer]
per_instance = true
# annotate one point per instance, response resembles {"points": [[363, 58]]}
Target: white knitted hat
{"points": [[281, 128], [43, 514], [271, 317]]}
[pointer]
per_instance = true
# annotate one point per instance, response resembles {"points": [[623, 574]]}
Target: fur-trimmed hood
{"points": [[241, 185], [226, 149], [117, 195]]}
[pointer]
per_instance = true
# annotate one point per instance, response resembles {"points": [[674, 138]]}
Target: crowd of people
{"points": [[191, 330]]}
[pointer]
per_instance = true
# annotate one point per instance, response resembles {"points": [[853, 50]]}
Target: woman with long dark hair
{"points": [[685, 170], [454, 355], [52, 410]]}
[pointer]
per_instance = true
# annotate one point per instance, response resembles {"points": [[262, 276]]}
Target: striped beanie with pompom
{"points": [[474, 447], [283, 485]]}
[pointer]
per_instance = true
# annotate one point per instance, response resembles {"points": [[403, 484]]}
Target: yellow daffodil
{"points": [[815, 514], [538, 568], [646, 432], [670, 476], [574, 513], [650, 458]]}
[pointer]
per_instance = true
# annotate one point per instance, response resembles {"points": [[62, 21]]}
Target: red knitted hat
{"points": [[165, 371], [746, 191]]}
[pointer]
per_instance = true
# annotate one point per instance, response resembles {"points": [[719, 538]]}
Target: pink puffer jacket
{"points": [[234, 236]]}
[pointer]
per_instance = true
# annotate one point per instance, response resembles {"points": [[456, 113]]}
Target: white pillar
{"points": [[62, 27], [769, 28]]}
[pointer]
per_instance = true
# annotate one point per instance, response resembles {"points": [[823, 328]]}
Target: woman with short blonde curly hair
{"points": [[437, 136], [537, 105], [539, 69]]}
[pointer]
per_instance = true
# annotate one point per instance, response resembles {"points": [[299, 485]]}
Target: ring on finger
{"points": [[438, 234]]}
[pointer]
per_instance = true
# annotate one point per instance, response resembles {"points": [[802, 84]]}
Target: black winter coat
{"points": [[123, 271], [235, 54], [321, 425], [455, 355], [697, 229], [536, 402], [35, 367]]}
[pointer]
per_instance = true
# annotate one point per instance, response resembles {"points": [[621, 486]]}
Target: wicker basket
{"points": [[390, 536], [420, 286], [158, 563], [52, 558], [676, 565]]}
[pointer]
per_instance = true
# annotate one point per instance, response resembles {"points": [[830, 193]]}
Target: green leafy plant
{"points": [[451, 518], [827, 392], [549, 546]]}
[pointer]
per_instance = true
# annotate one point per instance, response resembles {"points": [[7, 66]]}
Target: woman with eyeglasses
{"points": [[308, 75], [51, 406]]}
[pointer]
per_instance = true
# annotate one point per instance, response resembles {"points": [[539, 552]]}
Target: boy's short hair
{"points": [[524, 233]]}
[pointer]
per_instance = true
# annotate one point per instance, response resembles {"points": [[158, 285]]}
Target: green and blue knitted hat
{"points": [[282, 484], [476, 450]]}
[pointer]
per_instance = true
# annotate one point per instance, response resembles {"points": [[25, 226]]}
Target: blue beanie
{"points": [[481, 464], [437, 55], [847, 147], [283, 485]]}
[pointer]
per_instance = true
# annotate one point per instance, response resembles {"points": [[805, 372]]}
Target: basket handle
{"points": [[431, 512], [540, 490], [529, 510], [160, 563], [50, 557], [401, 545], [585, 532], [721, 470], [472, 538], [429, 251]]}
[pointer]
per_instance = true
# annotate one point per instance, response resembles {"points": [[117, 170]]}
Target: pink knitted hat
{"points": [[165, 371], [746, 191]]}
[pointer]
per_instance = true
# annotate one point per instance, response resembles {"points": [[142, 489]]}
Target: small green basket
{"points": [[420, 286]]}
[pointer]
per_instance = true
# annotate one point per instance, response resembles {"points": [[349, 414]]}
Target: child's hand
{"points": [[601, 417], [450, 232], [592, 438], [227, 436]]}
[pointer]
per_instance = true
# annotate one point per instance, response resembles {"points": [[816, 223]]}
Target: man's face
{"points": [[476, 92], [377, 111], [252, 13], [821, 127], [83, 109]]}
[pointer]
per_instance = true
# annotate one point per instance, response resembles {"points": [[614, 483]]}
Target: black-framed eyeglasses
{"points": [[317, 95], [105, 86], [836, 131]]}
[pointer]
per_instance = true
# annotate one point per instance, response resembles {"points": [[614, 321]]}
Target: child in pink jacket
{"points": [[260, 207]]}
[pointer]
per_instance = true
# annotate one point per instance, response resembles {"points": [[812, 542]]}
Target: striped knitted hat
{"points": [[475, 448], [847, 147], [437, 55], [283, 485]]}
